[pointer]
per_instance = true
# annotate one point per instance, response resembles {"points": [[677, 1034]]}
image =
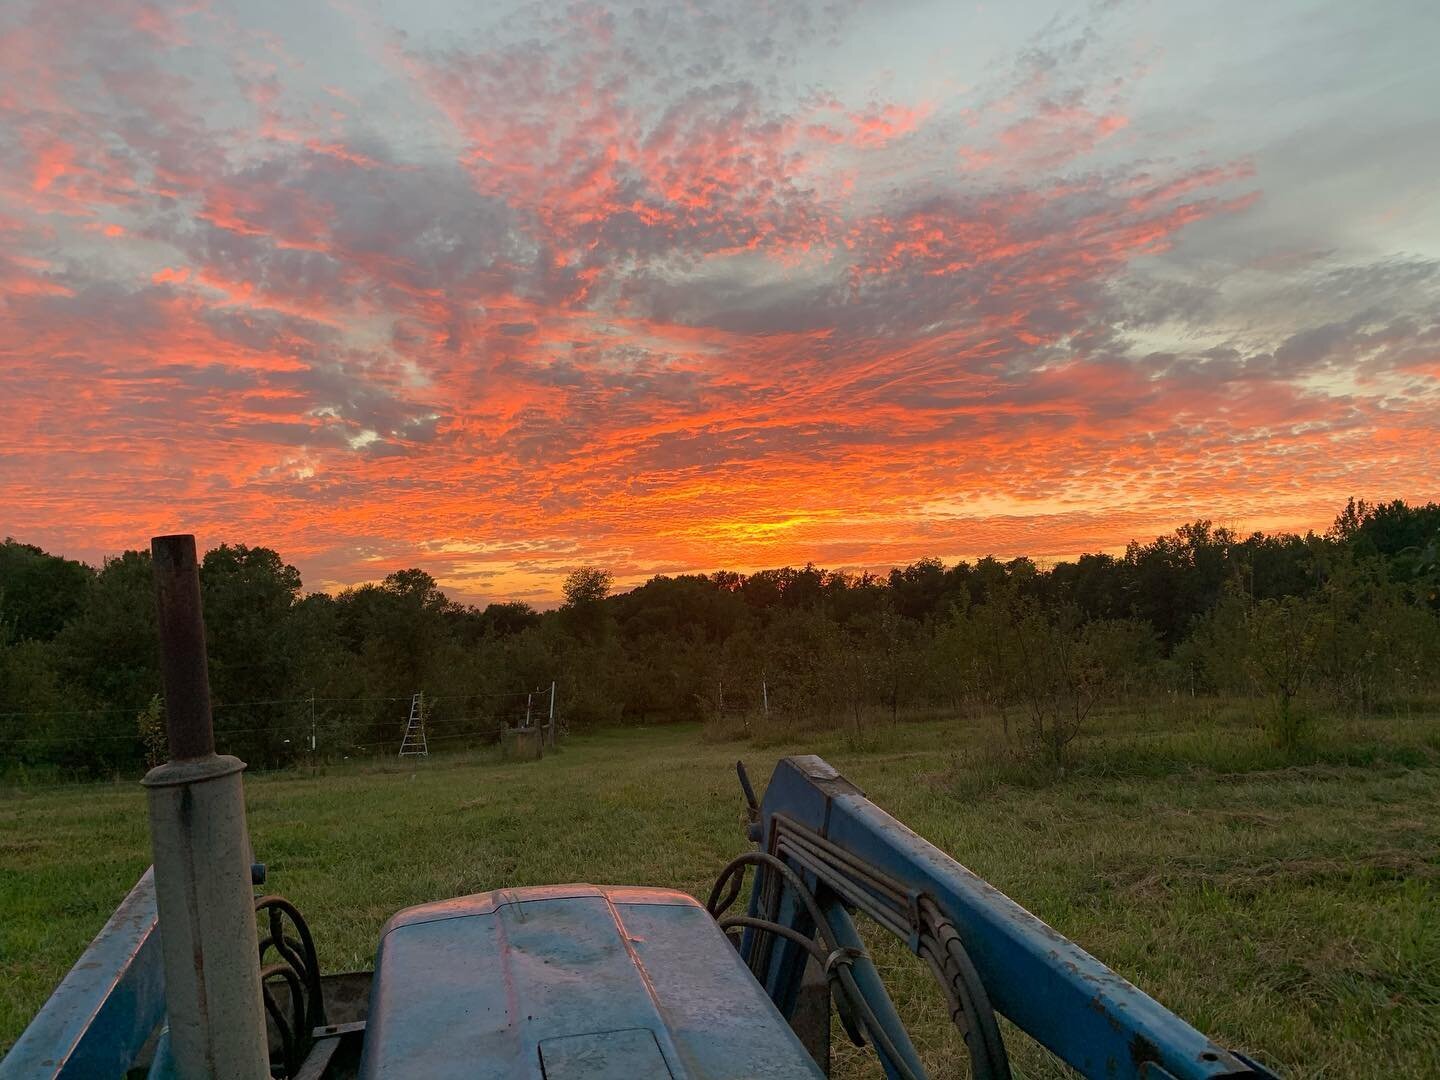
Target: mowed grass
{"points": [[1286, 904]]}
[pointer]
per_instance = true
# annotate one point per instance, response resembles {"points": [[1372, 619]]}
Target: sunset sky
{"points": [[495, 289]]}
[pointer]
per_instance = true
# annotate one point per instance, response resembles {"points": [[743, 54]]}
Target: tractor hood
{"points": [[570, 981]]}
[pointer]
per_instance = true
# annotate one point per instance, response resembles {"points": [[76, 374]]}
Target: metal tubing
{"points": [[202, 853], [1101, 1025], [862, 968], [207, 920], [182, 647]]}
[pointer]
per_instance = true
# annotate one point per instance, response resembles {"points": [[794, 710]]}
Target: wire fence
{"points": [[44, 750]]}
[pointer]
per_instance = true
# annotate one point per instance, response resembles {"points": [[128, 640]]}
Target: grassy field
{"points": [[1286, 904]]}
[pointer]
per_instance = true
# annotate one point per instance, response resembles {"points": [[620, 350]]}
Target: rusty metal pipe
{"points": [[206, 907], [182, 647]]}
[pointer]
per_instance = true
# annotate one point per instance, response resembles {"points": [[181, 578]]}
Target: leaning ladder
{"points": [[413, 745]]}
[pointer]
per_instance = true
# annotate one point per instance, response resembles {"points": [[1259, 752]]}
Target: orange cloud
{"points": [[594, 304]]}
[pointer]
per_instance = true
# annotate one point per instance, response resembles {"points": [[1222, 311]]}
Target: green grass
{"points": [[1288, 904]]}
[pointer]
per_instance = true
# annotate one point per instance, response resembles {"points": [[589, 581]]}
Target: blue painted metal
{"points": [[867, 977], [162, 1065], [574, 980], [578, 981], [1099, 1023], [106, 1008]]}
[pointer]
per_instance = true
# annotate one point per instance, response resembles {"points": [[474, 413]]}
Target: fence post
{"points": [[552, 713]]}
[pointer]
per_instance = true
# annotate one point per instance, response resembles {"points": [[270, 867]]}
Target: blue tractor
{"points": [[571, 982]]}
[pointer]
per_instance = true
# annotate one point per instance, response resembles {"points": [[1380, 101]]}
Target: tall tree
{"points": [[39, 592]]}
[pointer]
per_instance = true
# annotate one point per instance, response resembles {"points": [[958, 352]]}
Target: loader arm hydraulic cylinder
{"points": [[852, 853]]}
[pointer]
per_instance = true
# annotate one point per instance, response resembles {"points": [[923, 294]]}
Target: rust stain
{"points": [[1097, 1004], [1142, 1050]]}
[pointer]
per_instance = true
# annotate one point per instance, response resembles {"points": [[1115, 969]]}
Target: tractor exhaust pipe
{"points": [[202, 852]]}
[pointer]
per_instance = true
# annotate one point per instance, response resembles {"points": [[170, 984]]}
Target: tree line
{"points": [[1347, 620]]}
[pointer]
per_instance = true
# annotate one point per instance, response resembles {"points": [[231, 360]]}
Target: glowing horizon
{"points": [[496, 292]]}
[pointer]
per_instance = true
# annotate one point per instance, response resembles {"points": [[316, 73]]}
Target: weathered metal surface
{"points": [[206, 906], [867, 977], [202, 852], [162, 1061], [631, 1054], [103, 1012], [811, 1017], [318, 1062], [347, 996], [182, 647], [335, 1053], [480, 986], [102, 1019], [1085, 1013]]}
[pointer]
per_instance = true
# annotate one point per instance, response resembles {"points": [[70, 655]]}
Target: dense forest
{"points": [[1344, 622]]}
